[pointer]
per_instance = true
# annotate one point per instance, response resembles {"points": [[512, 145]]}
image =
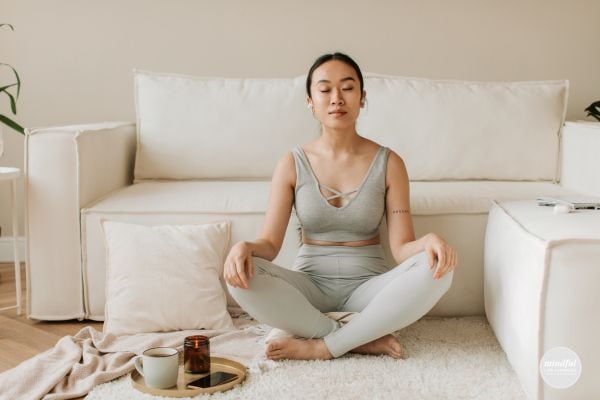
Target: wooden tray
{"points": [[216, 364]]}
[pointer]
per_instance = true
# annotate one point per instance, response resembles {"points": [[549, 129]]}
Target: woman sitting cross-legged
{"points": [[341, 185]]}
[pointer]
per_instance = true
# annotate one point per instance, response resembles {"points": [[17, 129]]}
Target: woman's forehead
{"points": [[334, 71]]}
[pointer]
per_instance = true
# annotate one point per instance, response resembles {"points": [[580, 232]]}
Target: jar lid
{"points": [[195, 340]]}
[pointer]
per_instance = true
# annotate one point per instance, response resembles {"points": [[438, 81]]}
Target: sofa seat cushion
{"points": [[455, 210], [427, 198], [474, 197], [188, 196]]}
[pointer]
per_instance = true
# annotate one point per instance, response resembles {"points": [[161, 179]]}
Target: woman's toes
{"points": [[397, 352], [274, 345], [299, 349], [395, 348], [276, 349], [275, 355]]}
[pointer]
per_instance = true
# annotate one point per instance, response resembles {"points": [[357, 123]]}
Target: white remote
{"points": [[562, 209]]}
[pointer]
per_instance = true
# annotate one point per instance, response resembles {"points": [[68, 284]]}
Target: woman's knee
{"points": [[262, 268], [245, 296], [444, 283], [235, 291]]}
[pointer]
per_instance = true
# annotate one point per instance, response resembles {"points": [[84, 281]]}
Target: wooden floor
{"points": [[20, 337]]}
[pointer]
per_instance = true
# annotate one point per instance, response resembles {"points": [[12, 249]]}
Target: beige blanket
{"points": [[78, 363]]}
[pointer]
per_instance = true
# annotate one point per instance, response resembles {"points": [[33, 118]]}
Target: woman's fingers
{"points": [[250, 269], [241, 273], [231, 275], [441, 266], [441, 255], [454, 259], [228, 275], [448, 260], [431, 257], [238, 267]]}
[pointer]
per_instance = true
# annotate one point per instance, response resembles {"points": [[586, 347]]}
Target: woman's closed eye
{"points": [[348, 88]]}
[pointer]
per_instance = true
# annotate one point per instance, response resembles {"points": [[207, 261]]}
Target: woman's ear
{"points": [[309, 105], [363, 99]]}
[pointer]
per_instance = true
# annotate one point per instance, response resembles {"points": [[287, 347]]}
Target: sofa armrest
{"points": [[67, 168], [580, 165]]}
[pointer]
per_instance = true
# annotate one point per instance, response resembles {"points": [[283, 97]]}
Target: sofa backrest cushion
{"points": [[220, 128], [462, 130], [190, 128]]}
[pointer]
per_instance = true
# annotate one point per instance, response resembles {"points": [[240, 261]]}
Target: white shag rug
{"points": [[447, 358]]}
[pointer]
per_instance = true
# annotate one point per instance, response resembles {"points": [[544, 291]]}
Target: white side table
{"points": [[541, 274], [12, 174]]}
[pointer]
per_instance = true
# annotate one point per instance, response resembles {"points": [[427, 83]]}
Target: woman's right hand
{"points": [[238, 268]]}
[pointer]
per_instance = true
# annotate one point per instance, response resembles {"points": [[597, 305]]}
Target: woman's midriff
{"points": [[355, 243]]}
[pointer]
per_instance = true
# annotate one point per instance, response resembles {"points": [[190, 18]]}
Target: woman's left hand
{"points": [[440, 254]]}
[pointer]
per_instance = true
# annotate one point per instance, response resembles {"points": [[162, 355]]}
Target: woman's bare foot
{"points": [[387, 344], [297, 349]]}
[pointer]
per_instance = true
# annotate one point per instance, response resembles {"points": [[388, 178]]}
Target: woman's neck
{"points": [[339, 141]]}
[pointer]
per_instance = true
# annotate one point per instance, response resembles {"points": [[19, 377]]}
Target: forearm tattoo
{"points": [[400, 211]]}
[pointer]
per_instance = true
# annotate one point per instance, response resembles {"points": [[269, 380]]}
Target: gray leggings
{"points": [[341, 278]]}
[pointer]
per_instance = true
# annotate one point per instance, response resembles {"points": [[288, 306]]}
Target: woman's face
{"points": [[336, 98]]}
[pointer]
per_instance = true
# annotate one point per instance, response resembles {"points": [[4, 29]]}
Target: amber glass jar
{"points": [[196, 354]]}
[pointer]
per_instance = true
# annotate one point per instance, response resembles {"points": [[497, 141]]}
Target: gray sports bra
{"points": [[359, 219]]}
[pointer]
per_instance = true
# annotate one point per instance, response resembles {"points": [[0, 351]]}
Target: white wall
{"points": [[75, 57]]}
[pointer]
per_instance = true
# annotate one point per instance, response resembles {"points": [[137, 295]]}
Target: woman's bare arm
{"points": [[398, 218], [400, 226], [281, 200]]}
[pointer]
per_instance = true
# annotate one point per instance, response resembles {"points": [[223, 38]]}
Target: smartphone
{"points": [[214, 379]]}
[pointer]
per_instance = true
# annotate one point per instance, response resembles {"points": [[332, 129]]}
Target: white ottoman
{"points": [[542, 290]]}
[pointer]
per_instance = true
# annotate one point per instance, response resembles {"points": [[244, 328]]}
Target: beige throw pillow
{"points": [[165, 278]]}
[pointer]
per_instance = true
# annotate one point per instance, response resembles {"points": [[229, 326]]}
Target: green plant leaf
{"points": [[13, 103], [593, 110], [12, 124], [17, 76], [3, 88]]}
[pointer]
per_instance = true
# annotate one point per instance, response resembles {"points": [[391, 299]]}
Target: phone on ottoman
{"points": [[214, 379]]}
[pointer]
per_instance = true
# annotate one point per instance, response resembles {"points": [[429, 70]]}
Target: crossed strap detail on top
{"points": [[313, 202], [337, 192]]}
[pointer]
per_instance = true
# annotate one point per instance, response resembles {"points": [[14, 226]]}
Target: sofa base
{"points": [[457, 211]]}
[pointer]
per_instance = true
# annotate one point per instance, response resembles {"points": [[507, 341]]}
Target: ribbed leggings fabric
{"points": [[341, 278]]}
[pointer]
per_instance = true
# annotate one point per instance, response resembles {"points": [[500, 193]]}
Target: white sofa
{"points": [[203, 149]]}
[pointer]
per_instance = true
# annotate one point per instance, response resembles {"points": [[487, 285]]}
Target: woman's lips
{"points": [[337, 113]]}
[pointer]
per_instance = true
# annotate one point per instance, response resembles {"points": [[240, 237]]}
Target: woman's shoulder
{"points": [[395, 163], [371, 146], [395, 167], [287, 161], [285, 169], [305, 148]]}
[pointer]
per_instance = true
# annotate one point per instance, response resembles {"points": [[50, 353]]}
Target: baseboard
{"points": [[6, 249]]}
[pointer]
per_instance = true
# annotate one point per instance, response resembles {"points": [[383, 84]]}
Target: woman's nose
{"points": [[336, 98]]}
